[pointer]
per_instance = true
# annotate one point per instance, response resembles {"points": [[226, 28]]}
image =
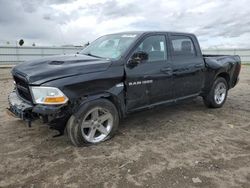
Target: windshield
{"points": [[110, 46]]}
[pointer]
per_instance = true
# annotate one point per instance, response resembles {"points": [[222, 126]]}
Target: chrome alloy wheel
{"points": [[97, 124], [220, 93]]}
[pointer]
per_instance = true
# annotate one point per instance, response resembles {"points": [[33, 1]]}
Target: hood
{"points": [[55, 67]]}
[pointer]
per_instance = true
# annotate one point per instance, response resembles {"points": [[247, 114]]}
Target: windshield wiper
{"points": [[89, 54]]}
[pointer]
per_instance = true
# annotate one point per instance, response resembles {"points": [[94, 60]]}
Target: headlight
{"points": [[48, 95]]}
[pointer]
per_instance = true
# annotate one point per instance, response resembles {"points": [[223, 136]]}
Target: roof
{"points": [[148, 32]]}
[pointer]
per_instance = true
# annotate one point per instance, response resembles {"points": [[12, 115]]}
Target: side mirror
{"points": [[137, 58]]}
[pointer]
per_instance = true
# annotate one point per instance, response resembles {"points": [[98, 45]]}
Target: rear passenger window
{"points": [[182, 46]]}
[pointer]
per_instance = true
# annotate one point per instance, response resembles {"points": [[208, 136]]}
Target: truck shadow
{"points": [[163, 115]]}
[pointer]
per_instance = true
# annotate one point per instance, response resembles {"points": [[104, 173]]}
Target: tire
{"points": [[217, 95], [94, 122]]}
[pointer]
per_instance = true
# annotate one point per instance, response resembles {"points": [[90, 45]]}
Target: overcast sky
{"points": [[218, 23]]}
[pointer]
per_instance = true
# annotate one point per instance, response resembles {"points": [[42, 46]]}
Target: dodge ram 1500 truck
{"points": [[86, 94]]}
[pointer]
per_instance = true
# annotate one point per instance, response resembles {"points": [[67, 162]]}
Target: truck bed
{"points": [[230, 63], [221, 57]]}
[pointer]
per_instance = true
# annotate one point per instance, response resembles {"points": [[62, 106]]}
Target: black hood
{"points": [[55, 67]]}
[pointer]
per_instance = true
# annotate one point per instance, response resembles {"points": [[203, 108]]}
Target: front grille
{"points": [[22, 87]]}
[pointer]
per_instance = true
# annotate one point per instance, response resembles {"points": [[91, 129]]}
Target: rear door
{"points": [[150, 82], [188, 66]]}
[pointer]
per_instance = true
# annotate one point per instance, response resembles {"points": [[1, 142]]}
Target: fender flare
{"points": [[117, 100]]}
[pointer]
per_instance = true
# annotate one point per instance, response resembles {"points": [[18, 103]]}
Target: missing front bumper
{"points": [[19, 108], [55, 116]]}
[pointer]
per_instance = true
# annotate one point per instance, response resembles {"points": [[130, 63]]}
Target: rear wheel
{"points": [[217, 95], [94, 122]]}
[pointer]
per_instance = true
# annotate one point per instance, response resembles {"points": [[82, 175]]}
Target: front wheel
{"points": [[95, 122], [217, 95]]}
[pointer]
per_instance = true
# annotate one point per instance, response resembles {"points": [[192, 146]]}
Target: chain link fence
{"points": [[12, 55], [243, 53]]}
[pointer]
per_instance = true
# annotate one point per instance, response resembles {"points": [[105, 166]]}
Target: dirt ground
{"points": [[187, 145]]}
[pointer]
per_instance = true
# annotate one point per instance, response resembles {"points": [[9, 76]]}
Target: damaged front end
{"points": [[55, 116], [21, 105], [20, 108]]}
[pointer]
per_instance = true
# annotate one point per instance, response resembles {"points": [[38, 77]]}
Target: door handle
{"points": [[166, 70], [182, 71]]}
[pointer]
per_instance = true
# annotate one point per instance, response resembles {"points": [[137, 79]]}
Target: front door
{"points": [[150, 82]]}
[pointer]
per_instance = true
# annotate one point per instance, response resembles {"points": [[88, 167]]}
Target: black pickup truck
{"points": [[87, 93]]}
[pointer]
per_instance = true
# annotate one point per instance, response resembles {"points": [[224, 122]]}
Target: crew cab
{"points": [[88, 93]]}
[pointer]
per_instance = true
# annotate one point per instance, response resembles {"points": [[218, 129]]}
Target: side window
{"points": [[155, 47], [182, 46]]}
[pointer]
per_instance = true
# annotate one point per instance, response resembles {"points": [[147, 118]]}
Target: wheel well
{"points": [[116, 103], [119, 105], [225, 76]]}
